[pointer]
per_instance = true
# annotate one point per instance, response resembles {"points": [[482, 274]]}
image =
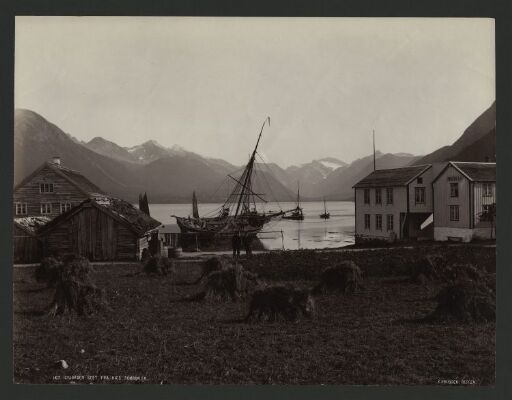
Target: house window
{"points": [[487, 189], [454, 213], [390, 222], [21, 208], [389, 195], [167, 239], [454, 189], [367, 196], [46, 188], [65, 207], [378, 222], [419, 180], [378, 196], [46, 208], [419, 195], [367, 221]]}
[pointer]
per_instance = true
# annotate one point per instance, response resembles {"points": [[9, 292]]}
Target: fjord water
{"points": [[311, 233]]}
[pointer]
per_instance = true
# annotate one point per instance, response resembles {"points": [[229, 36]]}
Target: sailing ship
{"points": [[325, 214], [296, 213], [238, 214]]}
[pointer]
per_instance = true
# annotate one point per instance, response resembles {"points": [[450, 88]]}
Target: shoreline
{"points": [[198, 256]]}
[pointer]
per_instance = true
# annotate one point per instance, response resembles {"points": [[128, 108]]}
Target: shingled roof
{"points": [[391, 177], [121, 210], [31, 224], [477, 171], [74, 177]]}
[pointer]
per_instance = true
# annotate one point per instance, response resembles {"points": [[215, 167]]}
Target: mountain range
{"points": [[171, 174]]}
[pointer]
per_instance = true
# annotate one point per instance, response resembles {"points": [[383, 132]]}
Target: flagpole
{"points": [[374, 167]]}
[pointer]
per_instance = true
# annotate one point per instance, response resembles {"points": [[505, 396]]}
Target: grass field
{"points": [[372, 337]]}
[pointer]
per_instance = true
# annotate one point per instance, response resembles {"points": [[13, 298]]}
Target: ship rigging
{"points": [[239, 212]]}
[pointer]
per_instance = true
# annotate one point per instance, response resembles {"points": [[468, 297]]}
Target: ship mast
{"points": [[298, 195], [246, 176]]}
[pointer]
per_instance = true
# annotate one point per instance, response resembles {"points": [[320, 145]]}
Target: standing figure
{"points": [[247, 244], [235, 242]]}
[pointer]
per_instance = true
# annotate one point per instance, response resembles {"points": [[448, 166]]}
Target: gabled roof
{"points": [[74, 177], [31, 224], [392, 177], [474, 171], [477, 171], [122, 211]]}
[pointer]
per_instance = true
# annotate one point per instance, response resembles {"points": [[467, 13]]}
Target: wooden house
{"points": [[465, 201], [27, 245], [100, 228], [51, 190], [393, 204]]}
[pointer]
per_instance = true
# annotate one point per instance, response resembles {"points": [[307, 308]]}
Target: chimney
{"points": [[56, 160]]}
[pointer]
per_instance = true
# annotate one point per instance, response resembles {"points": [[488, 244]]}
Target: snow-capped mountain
{"points": [[144, 153], [309, 175], [149, 151], [331, 163], [168, 175]]}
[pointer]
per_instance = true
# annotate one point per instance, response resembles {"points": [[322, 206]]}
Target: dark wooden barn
{"points": [[100, 228], [27, 246]]}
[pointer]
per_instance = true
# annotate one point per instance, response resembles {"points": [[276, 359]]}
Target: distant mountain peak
{"points": [[331, 163], [332, 159], [152, 143], [24, 112], [177, 148], [97, 140], [404, 154]]}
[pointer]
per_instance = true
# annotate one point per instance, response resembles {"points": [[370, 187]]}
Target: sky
{"points": [[207, 84]]}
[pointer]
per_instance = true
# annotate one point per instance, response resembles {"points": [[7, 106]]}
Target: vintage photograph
{"points": [[249, 200]]}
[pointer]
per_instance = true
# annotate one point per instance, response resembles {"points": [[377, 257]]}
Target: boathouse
{"points": [[393, 204], [51, 190], [168, 235], [101, 228], [465, 201]]}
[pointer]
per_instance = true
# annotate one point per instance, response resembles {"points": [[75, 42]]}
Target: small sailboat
{"points": [[143, 203], [296, 213], [325, 214], [195, 211]]}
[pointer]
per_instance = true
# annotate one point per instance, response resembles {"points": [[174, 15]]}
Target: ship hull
{"points": [[246, 224], [294, 217]]}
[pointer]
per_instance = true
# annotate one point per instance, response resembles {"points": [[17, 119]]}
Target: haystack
{"points": [[465, 301], [48, 271], [436, 268], [346, 277], [467, 272], [159, 266], [280, 303], [213, 264], [426, 269], [74, 290], [233, 283], [216, 264]]}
